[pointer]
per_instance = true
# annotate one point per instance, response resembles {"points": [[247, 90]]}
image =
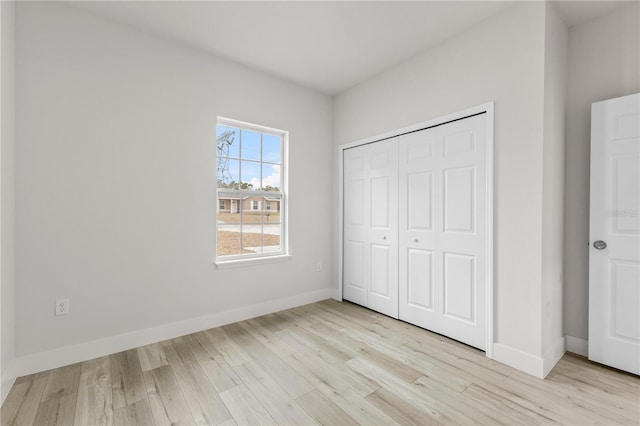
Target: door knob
{"points": [[599, 245], [415, 240], [384, 238]]}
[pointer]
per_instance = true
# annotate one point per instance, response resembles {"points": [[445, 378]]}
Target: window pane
{"points": [[271, 177], [250, 145], [251, 216], [271, 237], [250, 175], [271, 148], [228, 142], [251, 240], [228, 173], [251, 227], [272, 209], [231, 212], [228, 240]]}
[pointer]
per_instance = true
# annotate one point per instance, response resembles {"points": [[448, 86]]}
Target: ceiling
{"points": [[328, 46]]}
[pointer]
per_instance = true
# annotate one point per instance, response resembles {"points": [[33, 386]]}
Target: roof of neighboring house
{"points": [[234, 196], [228, 196]]}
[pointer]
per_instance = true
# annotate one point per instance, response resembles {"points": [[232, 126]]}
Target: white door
{"points": [[383, 227], [356, 224], [417, 243], [442, 229], [371, 226], [614, 249], [462, 231]]}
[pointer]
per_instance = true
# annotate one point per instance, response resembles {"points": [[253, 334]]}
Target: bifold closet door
{"points": [[418, 288], [442, 259], [371, 226]]}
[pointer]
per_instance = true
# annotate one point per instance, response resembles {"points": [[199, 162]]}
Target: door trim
{"points": [[488, 109]]}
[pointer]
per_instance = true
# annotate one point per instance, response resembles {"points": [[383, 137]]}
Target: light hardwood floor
{"points": [[326, 363]]}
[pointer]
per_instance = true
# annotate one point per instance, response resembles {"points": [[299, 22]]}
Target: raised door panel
{"points": [[625, 187], [459, 143], [380, 202], [459, 199], [624, 300], [459, 286], [417, 148], [356, 272], [420, 279], [380, 262], [381, 158], [354, 202], [419, 211]]}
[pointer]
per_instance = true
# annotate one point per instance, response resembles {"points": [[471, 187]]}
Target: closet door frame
{"points": [[488, 110]]}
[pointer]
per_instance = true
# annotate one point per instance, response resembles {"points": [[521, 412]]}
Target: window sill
{"points": [[240, 263]]}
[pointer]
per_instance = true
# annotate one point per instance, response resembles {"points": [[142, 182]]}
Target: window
{"points": [[251, 172], [221, 204]]}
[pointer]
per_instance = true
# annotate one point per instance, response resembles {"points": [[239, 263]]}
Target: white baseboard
{"points": [[578, 346], [528, 363], [8, 379], [337, 295], [519, 360], [34, 363], [553, 355]]}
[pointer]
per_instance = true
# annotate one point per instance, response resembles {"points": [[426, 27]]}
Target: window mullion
{"points": [[261, 204], [240, 209]]}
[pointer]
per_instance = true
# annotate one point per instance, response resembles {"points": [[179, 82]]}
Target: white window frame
{"points": [[239, 260]]}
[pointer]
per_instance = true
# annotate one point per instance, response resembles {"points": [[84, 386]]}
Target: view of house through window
{"points": [[250, 174]]}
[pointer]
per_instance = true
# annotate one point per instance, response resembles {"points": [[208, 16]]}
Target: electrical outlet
{"points": [[62, 307], [318, 266]]}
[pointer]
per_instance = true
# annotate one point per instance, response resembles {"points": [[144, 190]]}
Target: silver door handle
{"points": [[415, 240], [599, 245], [384, 238]]}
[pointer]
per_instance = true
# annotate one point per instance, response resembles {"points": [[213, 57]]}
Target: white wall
{"points": [[114, 172], [555, 96], [7, 121], [501, 60], [115, 183], [604, 63]]}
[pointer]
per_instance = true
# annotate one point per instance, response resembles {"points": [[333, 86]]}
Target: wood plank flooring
{"points": [[326, 363]]}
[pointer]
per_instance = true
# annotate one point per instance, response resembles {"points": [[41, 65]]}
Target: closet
{"points": [[414, 227]]}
